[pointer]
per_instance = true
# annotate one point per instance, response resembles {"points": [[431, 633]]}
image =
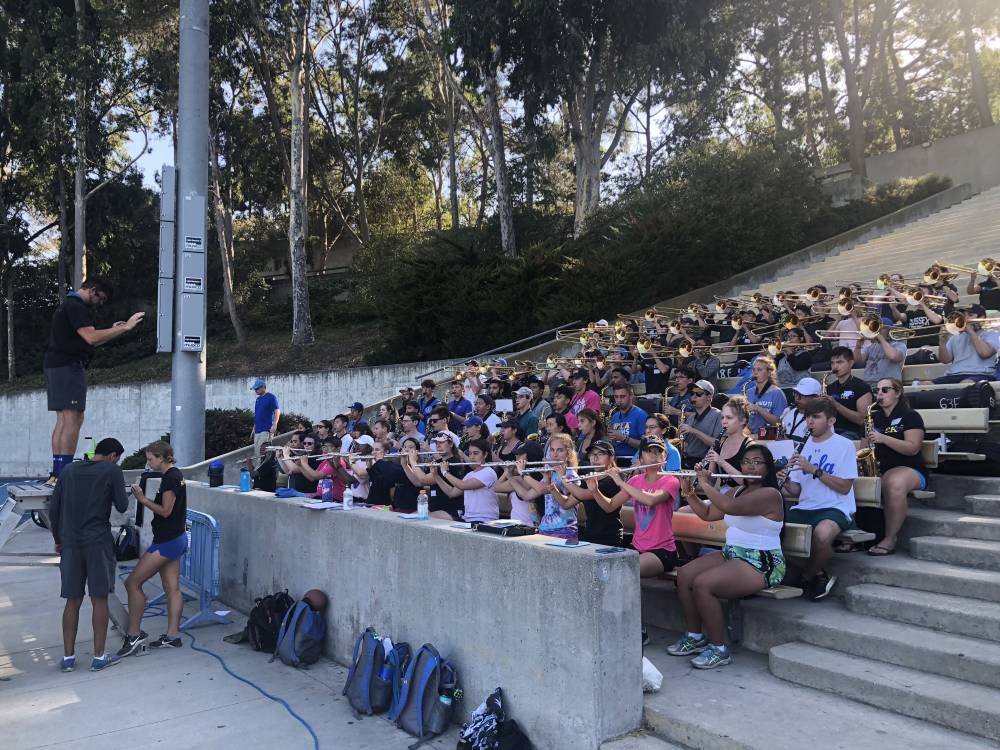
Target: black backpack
{"points": [[127, 543], [265, 620]]}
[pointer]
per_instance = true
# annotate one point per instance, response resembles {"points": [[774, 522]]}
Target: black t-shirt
{"points": [[436, 497], [384, 475], [656, 379], [266, 475], [66, 347], [301, 483], [895, 425], [917, 318], [603, 527], [989, 294], [847, 395], [172, 526]]}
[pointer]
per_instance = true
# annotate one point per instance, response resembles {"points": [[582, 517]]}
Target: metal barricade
{"points": [[200, 569]]}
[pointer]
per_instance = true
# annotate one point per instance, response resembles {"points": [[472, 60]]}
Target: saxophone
{"points": [[681, 420], [867, 463]]}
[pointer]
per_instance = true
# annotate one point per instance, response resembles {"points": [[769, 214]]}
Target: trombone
{"points": [[986, 267], [775, 347]]}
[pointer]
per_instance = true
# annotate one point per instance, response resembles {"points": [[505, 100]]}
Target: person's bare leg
{"points": [[823, 537], [70, 625], [687, 576], [733, 579], [99, 620], [170, 577], [145, 569], [649, 565], [57, 433], [897, 483], [72, 423]]}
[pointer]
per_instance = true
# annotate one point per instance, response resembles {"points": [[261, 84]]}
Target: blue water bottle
{"points": [[246, 484]]}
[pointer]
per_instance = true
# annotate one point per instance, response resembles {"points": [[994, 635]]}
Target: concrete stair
{"points": [[902, 571], [922, 522], [972, 553], [985, 505], [952, 703], [951, 614]]}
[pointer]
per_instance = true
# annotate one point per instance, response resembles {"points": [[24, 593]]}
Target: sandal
{"points": [[844, 547], [879, 551]]}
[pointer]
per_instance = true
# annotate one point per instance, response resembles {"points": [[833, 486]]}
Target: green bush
{"points": [[225, 430]]}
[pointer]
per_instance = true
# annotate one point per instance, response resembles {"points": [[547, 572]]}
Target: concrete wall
{"points": [[557, 629], [139, 413], [972, 157]]}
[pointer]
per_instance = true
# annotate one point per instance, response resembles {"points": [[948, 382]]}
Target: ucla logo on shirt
{"points": [[823, 462]]}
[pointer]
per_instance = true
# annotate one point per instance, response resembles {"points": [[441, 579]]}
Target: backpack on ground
{"points": [[428, 692], [127, 543], [265, 620], [368, 660], [301, 637]]}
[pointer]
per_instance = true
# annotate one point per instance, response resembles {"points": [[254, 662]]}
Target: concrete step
{"points": [[950, 523], [903, 571], [972, 553], [942, 700], [745, 707], [957, 615], [983, 505], [951, 489], [640, 742], [834, 627], [660, 607]]}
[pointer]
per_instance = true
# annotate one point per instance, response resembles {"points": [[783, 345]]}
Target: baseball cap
{"points": [[603, 446], [447, 435], [807, 387], [365, 440], [706, 386], [258, 383], [509, 422], [403, 388], [526, 392], [357, 406], [473, 421], [650, 442]]}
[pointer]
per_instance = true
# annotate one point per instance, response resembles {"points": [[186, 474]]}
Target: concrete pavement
{"points": [[180, 698]]}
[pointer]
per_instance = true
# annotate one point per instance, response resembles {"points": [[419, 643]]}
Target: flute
{"points": [[681, 473], [490, 463]]}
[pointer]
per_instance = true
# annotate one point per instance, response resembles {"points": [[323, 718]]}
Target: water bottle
{"points": [[246, 483], [385, 673], [348, 499], [422, 506], [91, 450], [445, 699]]}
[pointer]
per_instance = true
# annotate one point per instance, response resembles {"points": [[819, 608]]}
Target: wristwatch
{"points": [[818, 474]]}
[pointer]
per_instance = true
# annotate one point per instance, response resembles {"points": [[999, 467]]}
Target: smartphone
{"points": [[571, 543], [609, 550]]}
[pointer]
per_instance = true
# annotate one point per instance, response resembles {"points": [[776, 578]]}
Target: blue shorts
{"points": [[923, 479], [171, 550]]}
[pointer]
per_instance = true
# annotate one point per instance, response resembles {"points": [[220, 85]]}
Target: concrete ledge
{"points": [[557, 629]]}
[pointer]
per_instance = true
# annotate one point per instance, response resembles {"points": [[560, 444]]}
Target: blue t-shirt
{"points": [[263, 412], [631, 425], [462, 407], [772, 400], [426, 407]]}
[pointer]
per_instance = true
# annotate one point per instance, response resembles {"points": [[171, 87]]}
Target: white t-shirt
{"points": [[482, 504], [835, 456], [795, 423], [469, 387]]}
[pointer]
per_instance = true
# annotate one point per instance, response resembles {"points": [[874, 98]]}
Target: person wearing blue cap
{"points": [[265, 415], [356, 419]]}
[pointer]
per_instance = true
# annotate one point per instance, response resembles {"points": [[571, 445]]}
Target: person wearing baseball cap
{"points": [[583, 397], [266, 414], [526, 418], [603, 526], [356, 410], [971, 354], [793, 419], [701, 429]]}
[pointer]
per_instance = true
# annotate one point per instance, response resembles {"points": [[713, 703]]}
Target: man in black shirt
{"points": [[851, 395], [72, 339], [79, 516]]}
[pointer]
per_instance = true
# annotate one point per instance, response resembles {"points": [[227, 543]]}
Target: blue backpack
{"points": [[427, 696], [301, 637], [374, 679]]}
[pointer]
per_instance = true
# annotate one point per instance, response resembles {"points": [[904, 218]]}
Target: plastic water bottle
{"points": [[92, 448], [246, 483], [445, 699], [422, 513], [348, 499]]}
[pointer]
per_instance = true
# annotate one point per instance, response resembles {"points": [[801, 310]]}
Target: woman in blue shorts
{"points": [[170, 541], [897, 439]]}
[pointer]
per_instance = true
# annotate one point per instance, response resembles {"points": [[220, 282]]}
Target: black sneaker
{"points": [[645, 637], [133, 643], [820, 587], [165, 641]]}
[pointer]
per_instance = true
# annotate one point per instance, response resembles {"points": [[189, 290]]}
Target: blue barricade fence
{"points": [[200, 568]]}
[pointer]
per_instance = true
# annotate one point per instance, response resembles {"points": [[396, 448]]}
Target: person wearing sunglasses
{"points": [[897, 439], [751, 559], [700, 429]]}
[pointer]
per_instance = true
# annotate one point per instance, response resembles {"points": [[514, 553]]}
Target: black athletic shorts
{"points": [[67, 387], [668, 558], [93, 564]]}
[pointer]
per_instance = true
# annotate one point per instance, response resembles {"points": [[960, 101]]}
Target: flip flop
{"points": [[883, 551]]}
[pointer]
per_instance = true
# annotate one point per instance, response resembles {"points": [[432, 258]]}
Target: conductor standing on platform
{"points": [[72, 339]]}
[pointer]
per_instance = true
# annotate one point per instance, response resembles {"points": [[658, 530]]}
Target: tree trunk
{"points": [[302, 331], [224, 231], [855, 109], [828, 104], [505, 209], [452, 157], [11, 359], [907, 112], [810, 132], [979, 91], [80, 174], [587, 152], [63, 234], [484, 185]]}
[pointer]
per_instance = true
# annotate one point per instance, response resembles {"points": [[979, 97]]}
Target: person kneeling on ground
{"points": [[170, 542], [822, 477], [750, 561]]}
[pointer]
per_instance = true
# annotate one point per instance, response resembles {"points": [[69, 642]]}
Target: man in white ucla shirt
{"points": [[822, 477]]}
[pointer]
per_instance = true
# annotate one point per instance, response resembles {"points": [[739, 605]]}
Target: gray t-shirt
{"points": [[878, 366], [80, 508], [965, 359], [710, 423]]}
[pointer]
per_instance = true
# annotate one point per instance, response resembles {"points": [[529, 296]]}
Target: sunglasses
{"points": [[698, 394], [886, 389]]}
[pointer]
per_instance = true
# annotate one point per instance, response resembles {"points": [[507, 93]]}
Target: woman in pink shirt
{"points": [[654, 496], [583, 397]]}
